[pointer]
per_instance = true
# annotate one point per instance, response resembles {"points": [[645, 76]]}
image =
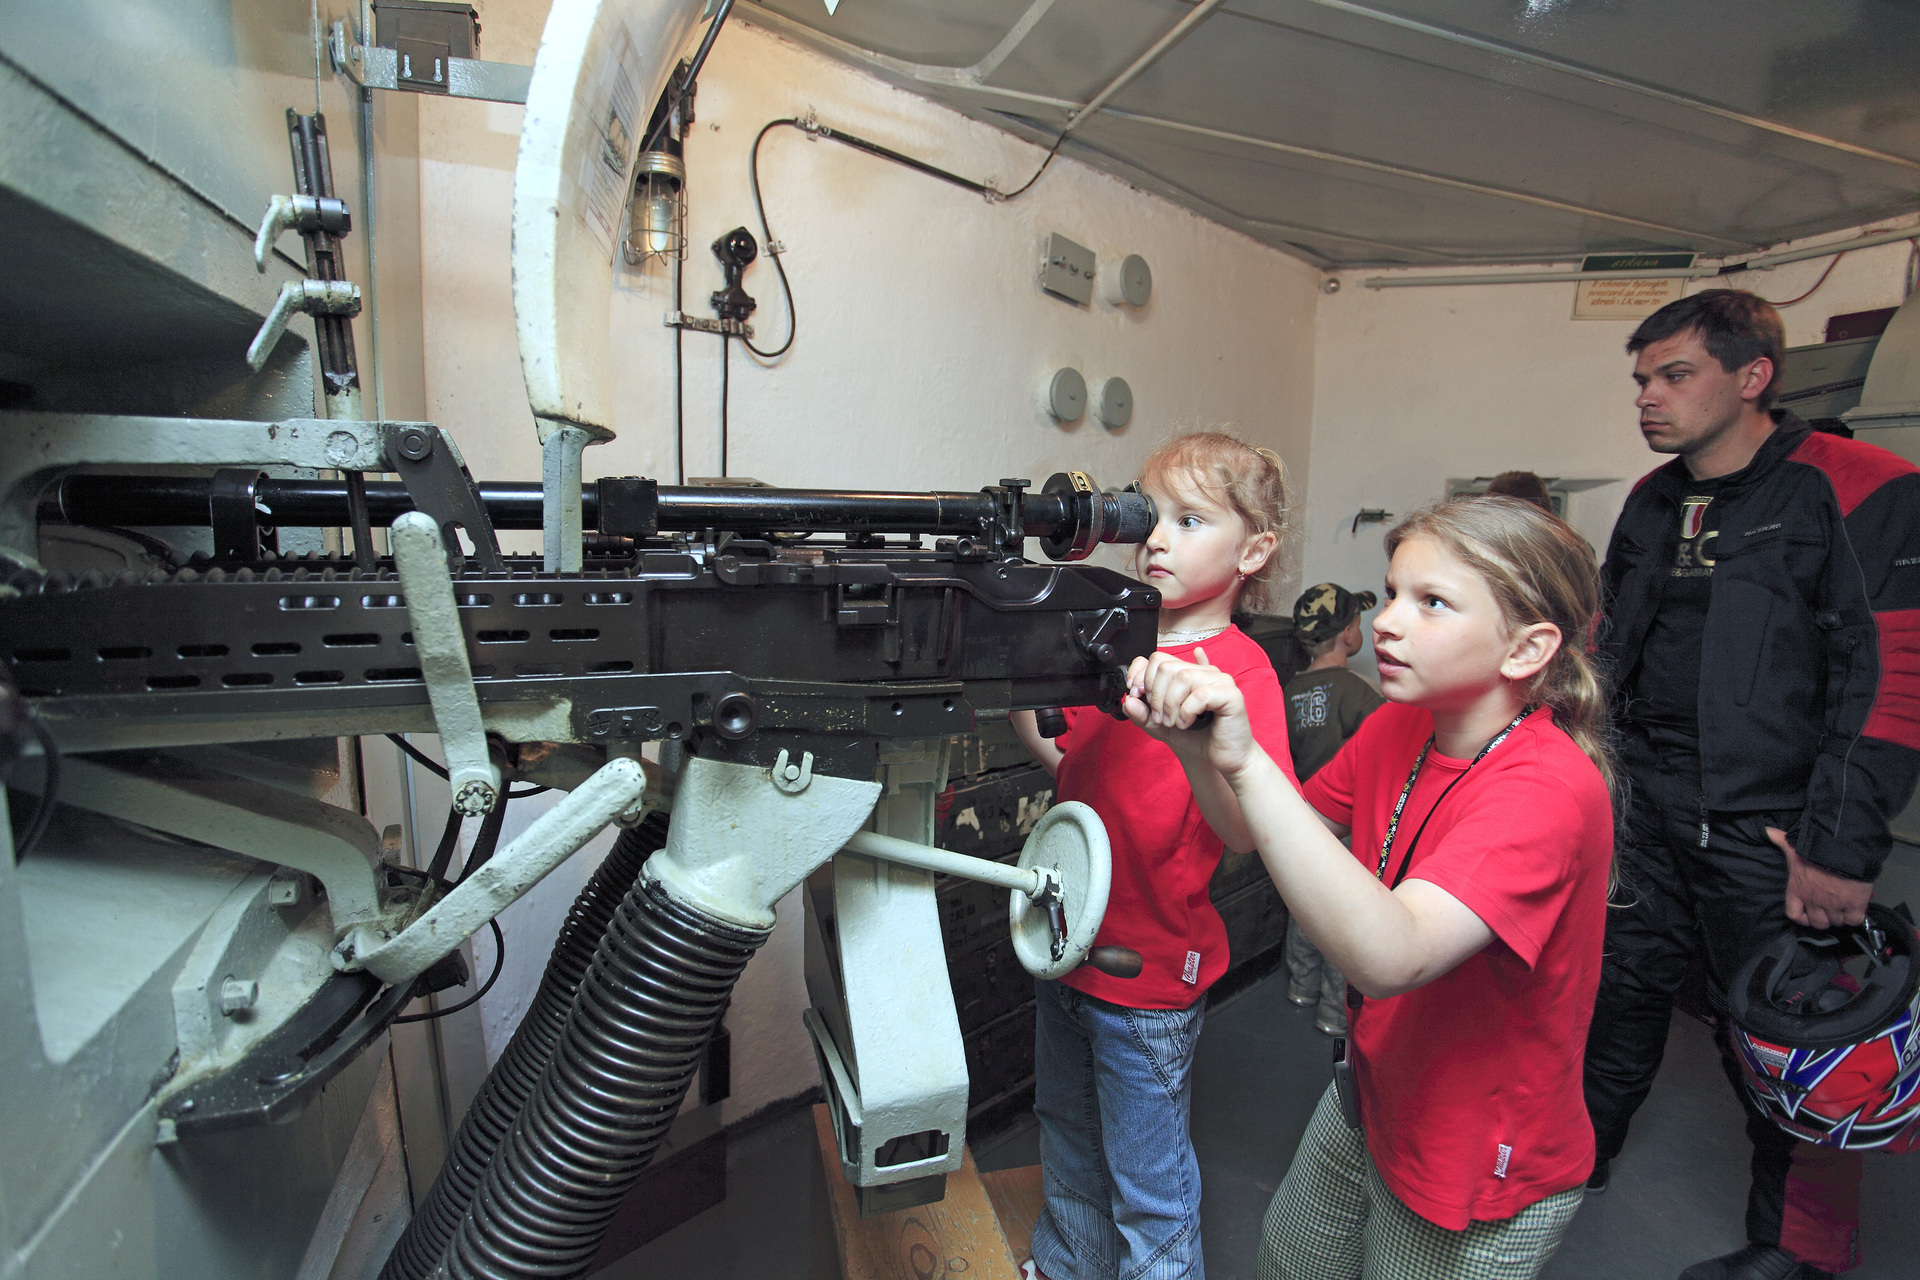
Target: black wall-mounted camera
{"points": [[736, 250]]}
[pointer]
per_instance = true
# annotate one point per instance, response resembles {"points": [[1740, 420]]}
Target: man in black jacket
{"points": [[1763, 631]]}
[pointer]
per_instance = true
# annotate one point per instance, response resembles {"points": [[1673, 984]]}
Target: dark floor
{"points": [[1677, 1195]]}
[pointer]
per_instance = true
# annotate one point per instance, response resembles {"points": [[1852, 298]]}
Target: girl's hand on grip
{"points": [[1166, 697]]}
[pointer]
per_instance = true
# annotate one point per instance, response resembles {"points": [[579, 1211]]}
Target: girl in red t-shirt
{"points": [[1469, 915], [1113, 1058]]}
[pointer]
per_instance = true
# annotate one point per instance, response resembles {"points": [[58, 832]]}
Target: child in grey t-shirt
{"points": [[1325, 705]]}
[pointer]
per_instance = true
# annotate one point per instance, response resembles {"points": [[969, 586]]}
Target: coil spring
{"points": [[646, 1008], [514, 1077]]}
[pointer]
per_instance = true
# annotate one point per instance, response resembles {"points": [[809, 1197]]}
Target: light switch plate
{"points": [[1068, 270]]}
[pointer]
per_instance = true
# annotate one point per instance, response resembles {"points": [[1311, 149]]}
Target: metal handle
{"points": [[1030, 881], [314, 297], [441, 644]]}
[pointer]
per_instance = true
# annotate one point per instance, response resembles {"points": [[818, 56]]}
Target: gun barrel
{"points": [[172, 501]]}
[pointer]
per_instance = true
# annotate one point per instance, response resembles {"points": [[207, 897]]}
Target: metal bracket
{"points": [[375, 67], [701, 324], [315, 298], [562, 525], [1369, 515], [792, 778], [738, 844], [168, 794], [441, 645], [234, 510], [1081, 494], [436, 476]]}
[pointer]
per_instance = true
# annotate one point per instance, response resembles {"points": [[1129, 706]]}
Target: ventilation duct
{"points": [[1889, 410]]}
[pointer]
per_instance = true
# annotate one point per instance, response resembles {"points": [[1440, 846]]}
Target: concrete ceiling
{"points": [[1415, 132]]}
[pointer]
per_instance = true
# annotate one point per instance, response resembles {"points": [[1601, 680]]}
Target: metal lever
{"points": [[303, 213], [315, 298], [1060, 885], [1032, 881], [441, 644], [1041, 884], [554, 837]]}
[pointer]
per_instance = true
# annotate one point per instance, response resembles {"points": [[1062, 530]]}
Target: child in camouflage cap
{"points": [[1325, 705]]}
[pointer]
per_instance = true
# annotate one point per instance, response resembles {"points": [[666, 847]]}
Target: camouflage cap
{"points": [[1323, 612]]}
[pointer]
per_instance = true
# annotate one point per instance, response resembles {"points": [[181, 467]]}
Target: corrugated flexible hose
{"points": [[514, 1078], [658, 985]]}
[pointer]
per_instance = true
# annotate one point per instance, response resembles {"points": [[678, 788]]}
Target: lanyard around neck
{"points": [[1393, 825]]}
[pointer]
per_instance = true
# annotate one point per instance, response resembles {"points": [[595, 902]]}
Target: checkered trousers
{"points": [[1334, 1219]]}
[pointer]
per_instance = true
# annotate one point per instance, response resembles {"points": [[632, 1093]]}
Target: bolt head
{"points": [[415, 444], [473, 799], [238, 994]]}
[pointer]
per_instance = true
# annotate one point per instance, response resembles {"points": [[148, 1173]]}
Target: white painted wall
{"points": [[1414, 386], [923, 341]]}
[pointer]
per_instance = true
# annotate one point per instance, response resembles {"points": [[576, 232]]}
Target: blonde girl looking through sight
{"points": [[1114, 1057]]}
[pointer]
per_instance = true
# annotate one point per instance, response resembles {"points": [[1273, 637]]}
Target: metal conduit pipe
{"points": [[513, 1079], [646, 1008], [1764, 262]]}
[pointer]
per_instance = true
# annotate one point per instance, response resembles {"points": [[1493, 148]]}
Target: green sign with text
{"points": [[1636, 262]]}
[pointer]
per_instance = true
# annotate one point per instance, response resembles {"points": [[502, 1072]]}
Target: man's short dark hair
{"points": [[1735, 326]]}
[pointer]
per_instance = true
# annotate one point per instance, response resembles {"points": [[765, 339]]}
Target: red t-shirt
{"points": [[1164, 853], [1470, 1085]]}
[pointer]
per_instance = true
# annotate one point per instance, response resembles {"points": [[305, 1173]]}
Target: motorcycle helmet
{"points": [[1826, 1027]]}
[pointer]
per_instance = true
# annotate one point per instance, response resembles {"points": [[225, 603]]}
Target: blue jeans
{"points": [[1113, 1089]]}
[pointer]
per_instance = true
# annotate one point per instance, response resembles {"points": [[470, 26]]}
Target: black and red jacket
{"points": [[1810, 658]]}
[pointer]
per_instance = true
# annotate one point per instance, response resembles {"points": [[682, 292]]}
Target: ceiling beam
{"points": [[1009, 42], [1175, 34], [1765, 262], [1596, 76], [1421, 175]]}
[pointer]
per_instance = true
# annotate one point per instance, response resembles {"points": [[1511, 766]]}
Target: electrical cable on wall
{"points": [[814, 129], [1817, 283], [1052, 151], [679, 380], [725, 361]]}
